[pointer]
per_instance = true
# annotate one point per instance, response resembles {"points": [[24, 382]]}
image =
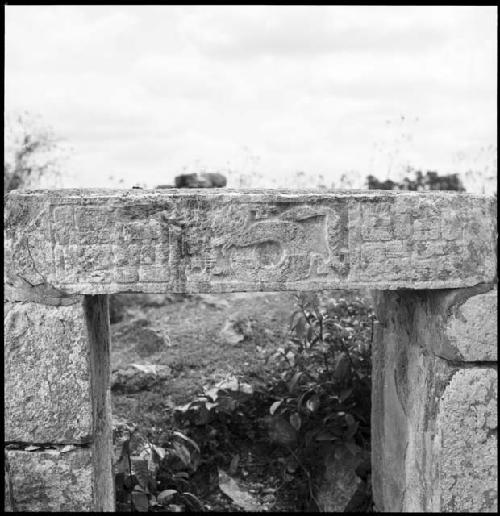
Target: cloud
{"points": [[300, 31], [150, 89]]}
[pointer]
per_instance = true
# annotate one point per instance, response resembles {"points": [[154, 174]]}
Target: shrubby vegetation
{"points": [[33, 154], [420, 182]]}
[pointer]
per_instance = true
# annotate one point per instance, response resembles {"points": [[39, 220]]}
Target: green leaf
{"points": [[291, 465], [310, 435], [349, 420], [183, 408], [300, 326], [325, 436], [304, 397], [166, 496], [233, 467], [226, 404], [351, 431], [181, 452], [353, 448], [290, 356], [342, 369], [312, 404], [192, 502], [158, 453], [293, 382], [294, 318], [200, 415], [123, 466], [186, 439], [281, 431], [274, 407], [344, 394], [295, 421], [140, 470]]}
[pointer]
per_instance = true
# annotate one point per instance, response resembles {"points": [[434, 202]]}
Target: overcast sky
{"points": [[143, 92]]}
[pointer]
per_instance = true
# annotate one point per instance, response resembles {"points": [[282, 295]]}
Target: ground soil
{"points": [[185, 334]]}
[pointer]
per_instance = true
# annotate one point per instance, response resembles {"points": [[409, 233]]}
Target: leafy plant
{"points": [[151, 477], [322, 400], [317, 393]]}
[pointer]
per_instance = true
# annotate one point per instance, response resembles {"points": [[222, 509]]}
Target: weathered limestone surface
{"points": [[467, 442], [57, 391], [97, 319], [99, 242], [47, 374], [50, 481], [472, 329], [464, 323], [434, 426]]}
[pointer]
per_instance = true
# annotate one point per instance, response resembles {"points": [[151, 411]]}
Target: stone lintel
{"points": [[108, 241]]}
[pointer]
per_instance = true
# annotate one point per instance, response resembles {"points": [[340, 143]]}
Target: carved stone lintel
{"points": [[87, 242]]}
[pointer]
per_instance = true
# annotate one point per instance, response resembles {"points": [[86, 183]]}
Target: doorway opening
{"points": [[242, 402]]}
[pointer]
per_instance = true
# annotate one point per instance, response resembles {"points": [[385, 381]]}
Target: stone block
{"points": [[466, 443], [459, 325], [57, 391], [50, 481], [47, 374], [472, 327]]}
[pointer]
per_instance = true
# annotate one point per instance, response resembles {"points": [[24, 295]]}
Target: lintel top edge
{"points": [[265, 193]]}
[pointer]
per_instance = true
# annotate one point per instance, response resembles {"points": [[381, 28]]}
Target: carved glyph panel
{"points": [[94, 242]]}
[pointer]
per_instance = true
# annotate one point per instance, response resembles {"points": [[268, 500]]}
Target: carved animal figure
{"points": [[201, 180], [310, 236]]}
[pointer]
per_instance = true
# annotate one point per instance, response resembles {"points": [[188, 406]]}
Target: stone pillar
{"points": [[434, 401], [57, 404]]}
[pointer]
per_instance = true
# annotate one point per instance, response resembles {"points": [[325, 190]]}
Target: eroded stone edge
{"points": [[97, 319]]}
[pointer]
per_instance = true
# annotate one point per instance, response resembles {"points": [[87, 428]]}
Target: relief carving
{"points": [[102, 242], [309, 237]]}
